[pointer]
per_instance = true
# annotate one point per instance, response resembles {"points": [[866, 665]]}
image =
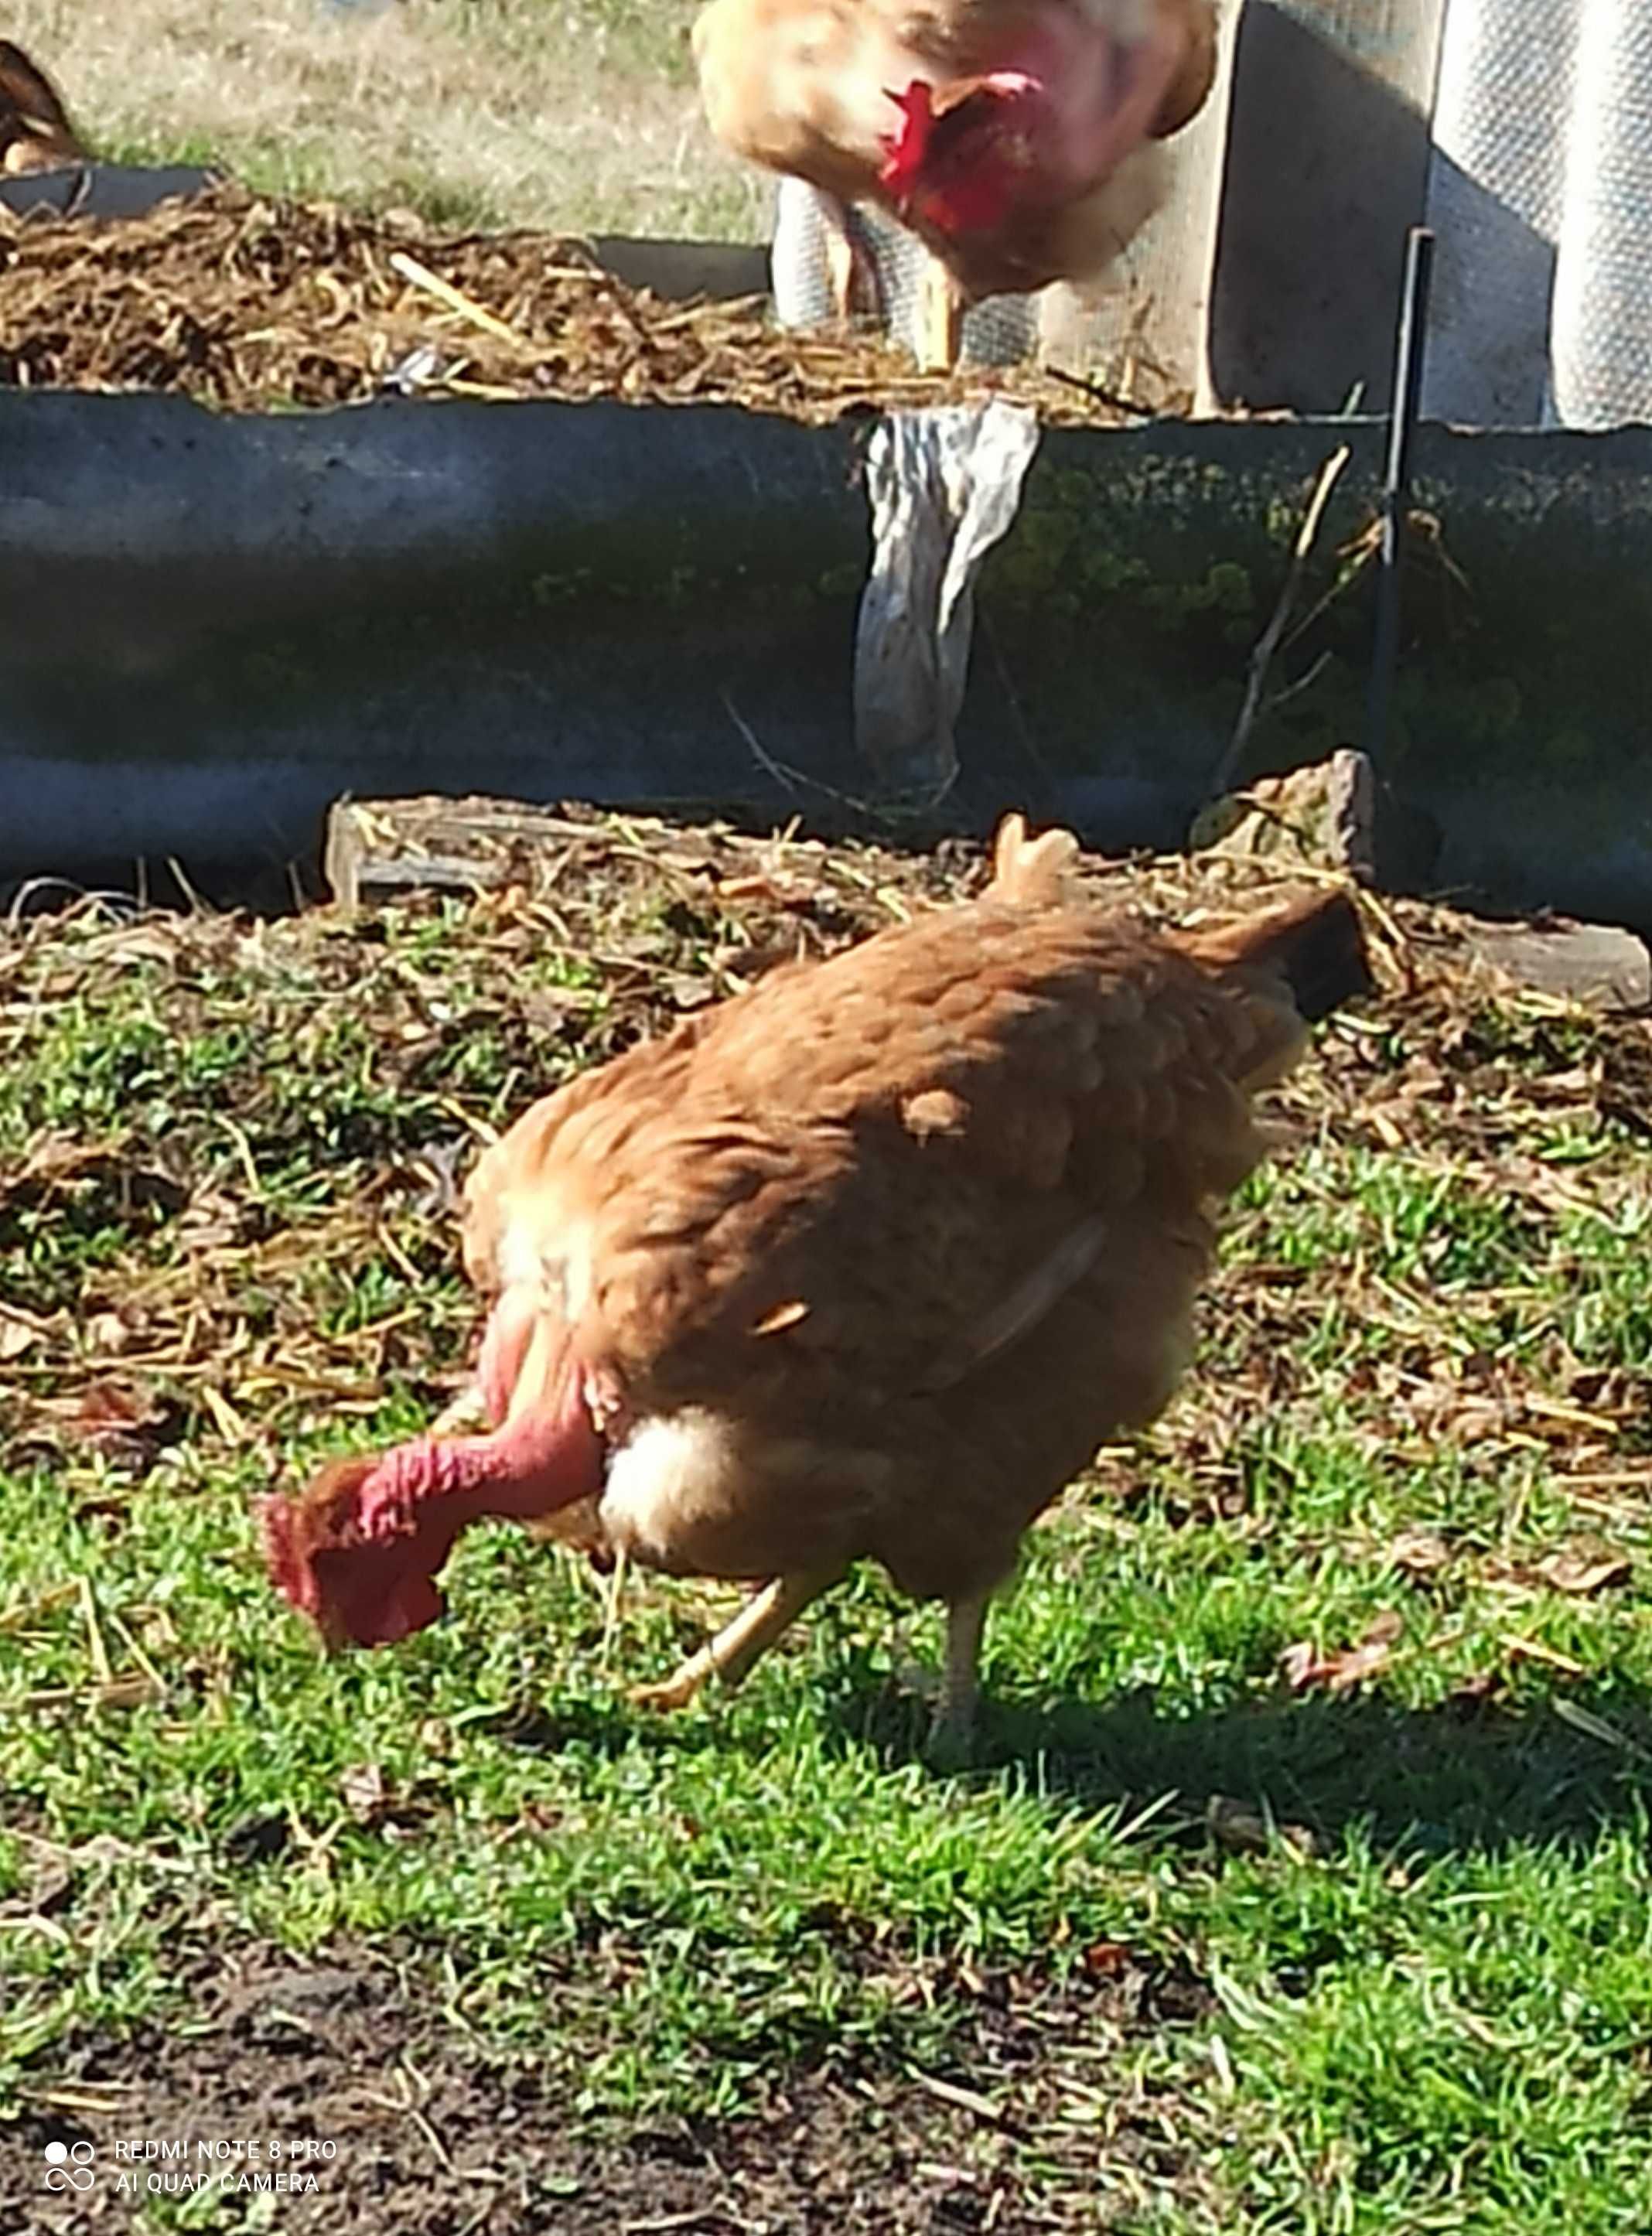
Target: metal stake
{"points": [[1396, 488]]}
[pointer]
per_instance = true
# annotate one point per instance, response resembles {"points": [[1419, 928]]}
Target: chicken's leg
{"points": [[741, 1644], [952, 1727], [941, 318], [852, 275], [612, 1599]]}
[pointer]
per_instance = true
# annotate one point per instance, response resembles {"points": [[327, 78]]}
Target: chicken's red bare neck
{"points": [[516, 1474], [359, 1552]]}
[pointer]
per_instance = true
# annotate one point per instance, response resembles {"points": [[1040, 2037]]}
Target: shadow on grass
{"points": [[1464, 1777], [1457, 1778]]}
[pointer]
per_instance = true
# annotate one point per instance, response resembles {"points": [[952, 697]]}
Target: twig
{"points": [[1107, 396], [966, 2100], [1410, 345], [791, 779], [197, 906], [1306, 682], [101, 2098], [119, 1692], [613, 1606], [1268, 643], [96, 1647], [420, 275]]}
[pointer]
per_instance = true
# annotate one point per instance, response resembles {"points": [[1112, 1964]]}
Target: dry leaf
{"points": [[108, 1332], [17, 1337], [1582, 1571], [371, 1801], [1305, 1669], [780, 891], [1466, 1700], [365, 1792], [1103, 1958], [105, 1406], [1420, 1552]]}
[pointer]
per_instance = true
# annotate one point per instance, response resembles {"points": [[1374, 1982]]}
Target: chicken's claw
{"points": [[741, 1644], [677, 1690]]}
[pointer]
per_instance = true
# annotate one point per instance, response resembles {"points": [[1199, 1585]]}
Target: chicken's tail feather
{"points": [[1031, 872], [1313, 941]]}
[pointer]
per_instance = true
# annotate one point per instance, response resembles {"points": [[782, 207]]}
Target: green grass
{"points": [[1430, 1970], [568, 116]]}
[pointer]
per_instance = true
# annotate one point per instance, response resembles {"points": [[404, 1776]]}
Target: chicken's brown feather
{"points": [[36, 132], [1074, 1075]]}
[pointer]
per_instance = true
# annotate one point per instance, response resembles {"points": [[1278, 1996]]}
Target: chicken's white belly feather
{"points": [[673, 1475]]}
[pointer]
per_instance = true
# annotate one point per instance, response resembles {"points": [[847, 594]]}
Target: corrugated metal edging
{"points": [[212, 626], [1541, 192], [1521, 130], [101, 190]]}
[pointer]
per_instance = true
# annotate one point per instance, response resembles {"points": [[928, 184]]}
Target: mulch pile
{"points": [[244, 303], [296, 1098]]}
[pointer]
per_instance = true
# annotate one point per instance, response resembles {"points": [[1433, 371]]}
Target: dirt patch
{"points": [[243, 302], [1027, 2125]]}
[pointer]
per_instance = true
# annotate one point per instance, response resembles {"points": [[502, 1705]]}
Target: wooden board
{"points": [[1160, 311], [377, 849]]}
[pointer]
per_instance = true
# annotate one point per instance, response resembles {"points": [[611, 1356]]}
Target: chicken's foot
{"points": [[741, 1644], [952, 1730]]}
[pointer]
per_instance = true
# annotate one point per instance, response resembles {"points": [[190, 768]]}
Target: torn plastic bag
{"points": [[944, 486]]}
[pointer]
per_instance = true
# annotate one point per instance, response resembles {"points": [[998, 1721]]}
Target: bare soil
{"points": [[435, 2137]]}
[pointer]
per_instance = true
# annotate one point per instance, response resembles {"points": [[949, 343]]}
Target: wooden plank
{"points": [[377, 848], [1159, 310], [1326, 165]]}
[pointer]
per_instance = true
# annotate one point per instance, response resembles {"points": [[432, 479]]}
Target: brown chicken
{"points": [[36, 134], [1012, 136], [864, 1262]]}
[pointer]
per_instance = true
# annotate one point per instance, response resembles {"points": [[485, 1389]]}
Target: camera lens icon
{"points": [[69, 2165]]}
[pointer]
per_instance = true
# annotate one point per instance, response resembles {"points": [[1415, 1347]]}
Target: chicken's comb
{"points": [[904, 150]]}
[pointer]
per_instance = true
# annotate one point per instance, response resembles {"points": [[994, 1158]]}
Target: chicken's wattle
{"points": [[957, 166]]}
